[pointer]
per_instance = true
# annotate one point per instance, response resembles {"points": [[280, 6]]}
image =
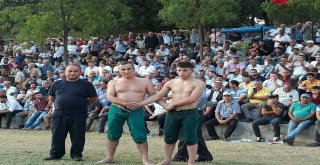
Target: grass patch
{"points": [[30, 147]]}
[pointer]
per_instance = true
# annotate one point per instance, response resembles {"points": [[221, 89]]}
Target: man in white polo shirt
{"points": [[9, 108]]}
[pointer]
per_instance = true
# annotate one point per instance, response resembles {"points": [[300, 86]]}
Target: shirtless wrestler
{"points": [[123, 94], [182, 111]]}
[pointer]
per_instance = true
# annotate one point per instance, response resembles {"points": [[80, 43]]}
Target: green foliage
{"points": [[295, 11], [191, 13], [51, 18]]}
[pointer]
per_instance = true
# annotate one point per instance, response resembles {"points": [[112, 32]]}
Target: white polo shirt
{"points": [[11, 105]]}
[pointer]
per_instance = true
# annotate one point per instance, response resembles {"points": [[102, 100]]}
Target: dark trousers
{"points": [[103, 122], [2, 115], [10, 116], [317, 126], [203, 152], [75, 124], [232, 124], [263, 121]]}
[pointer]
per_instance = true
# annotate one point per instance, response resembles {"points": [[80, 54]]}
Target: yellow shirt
{"points": [[309, 84], [246, 86], [263, 92]]}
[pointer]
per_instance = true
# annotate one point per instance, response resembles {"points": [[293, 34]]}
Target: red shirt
{"points": [[41, 104], [316, 101]]}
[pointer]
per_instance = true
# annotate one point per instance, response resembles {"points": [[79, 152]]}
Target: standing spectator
{"points": [[296, 33], [95, 47], [121, 46], [281, 38], [306, 31], [271, 113], [301, 114], [226, 114], [71, 97], [151, 41]]}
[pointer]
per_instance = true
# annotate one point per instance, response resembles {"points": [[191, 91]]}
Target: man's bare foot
{"points": [[105, 161], [165, 162]]}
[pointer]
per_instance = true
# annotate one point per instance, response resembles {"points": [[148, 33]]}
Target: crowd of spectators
{"points": [[277, 77]]}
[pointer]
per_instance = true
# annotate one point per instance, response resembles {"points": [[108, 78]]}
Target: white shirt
{"points": [[279, 68], [108, 68], [158, 108], [135, 51], [10, 105], [258, 67], [30, 91], [166, 39], [165, 52], [289, 48], [59, 52], [287, 97], [268, 84], [284, 38], [298, 68], [88, 70], [84, 49], [144, 71], [72, 49]]}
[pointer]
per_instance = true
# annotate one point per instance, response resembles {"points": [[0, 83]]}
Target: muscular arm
{"points": [[157, 96], [151, 91], [195, 95]]}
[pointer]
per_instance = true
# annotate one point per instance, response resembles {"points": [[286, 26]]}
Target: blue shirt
{"points": [[226, 111], [202, 100], [236, 94], [45, 68]]}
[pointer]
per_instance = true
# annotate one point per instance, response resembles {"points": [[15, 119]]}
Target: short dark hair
{"points": [[125, 63], [316, 87], [234, 82], [310, 74], [3, 97], [185, 65]]}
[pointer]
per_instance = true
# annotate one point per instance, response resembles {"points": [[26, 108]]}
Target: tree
{"points": [[198, 13], [295, 11], [47, 18]]}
